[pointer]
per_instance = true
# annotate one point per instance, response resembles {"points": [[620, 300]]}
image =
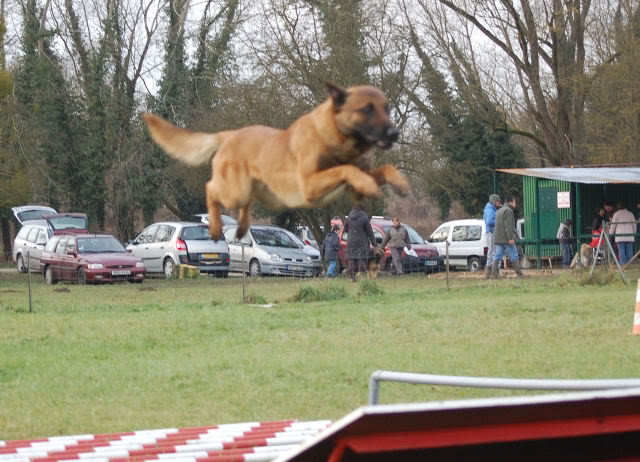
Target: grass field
{"points": [[97, 359]]}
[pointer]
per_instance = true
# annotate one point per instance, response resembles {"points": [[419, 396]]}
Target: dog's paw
{"points": [[215, 231], [369, 188], [401, 186]]}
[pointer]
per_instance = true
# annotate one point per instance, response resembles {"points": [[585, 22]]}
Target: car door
{"points": [[458, 245], [142, 248], [60, 272], [38, 248], [158, 248], [69, 260], [439, 239]]}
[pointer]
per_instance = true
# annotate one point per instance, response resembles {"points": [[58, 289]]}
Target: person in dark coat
{"points": [[359, 236], [330, 249]]}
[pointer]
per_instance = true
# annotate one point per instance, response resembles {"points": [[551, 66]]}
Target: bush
{"points": [[325, 292]]}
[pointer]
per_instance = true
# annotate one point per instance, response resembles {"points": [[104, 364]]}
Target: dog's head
{"points": [[363, 113]]}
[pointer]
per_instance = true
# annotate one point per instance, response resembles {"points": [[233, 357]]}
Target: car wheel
{"points": [[254, 268], [49, 278], [474, 264], [81, 276], [168, 267], [20, 264]]}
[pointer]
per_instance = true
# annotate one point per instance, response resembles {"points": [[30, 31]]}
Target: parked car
{"points": [[31, 212], [163, 245], [310, 250], [89, 258], [226, 219], [304, 233], [428, 259], [268, 250], [467, 243], [35, 233], [28, 246]]}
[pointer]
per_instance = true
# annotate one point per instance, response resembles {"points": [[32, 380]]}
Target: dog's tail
{"points": [[190, 147]]}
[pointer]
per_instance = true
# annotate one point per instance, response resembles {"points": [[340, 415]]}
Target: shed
{"points": [[551, 195]]}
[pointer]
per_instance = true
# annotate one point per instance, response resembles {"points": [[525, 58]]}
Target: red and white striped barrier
{"points": [[245, 442]]}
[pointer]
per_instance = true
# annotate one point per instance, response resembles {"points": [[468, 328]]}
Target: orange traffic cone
{"points": [[636, 316]]}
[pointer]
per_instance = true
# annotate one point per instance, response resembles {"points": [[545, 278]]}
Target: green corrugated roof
{"points": [[586, 175]]}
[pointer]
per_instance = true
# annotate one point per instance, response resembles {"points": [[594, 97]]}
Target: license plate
{"points": [[430, 262], [295, 268], [209, 255], [120, 272]]}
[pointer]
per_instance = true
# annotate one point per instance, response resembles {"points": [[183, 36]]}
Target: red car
{"points": [[89, 258], [428, 260]]}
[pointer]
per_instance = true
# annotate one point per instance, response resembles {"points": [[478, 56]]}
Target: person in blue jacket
{"points": [[489, 217]]}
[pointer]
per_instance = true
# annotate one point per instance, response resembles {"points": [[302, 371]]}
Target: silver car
{"points": [[164, 245], [29, 244], [268, 250]]}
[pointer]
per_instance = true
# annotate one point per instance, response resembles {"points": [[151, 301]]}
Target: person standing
{"points": [[489, 217], [623, 222], [505, 238], [398, 238], [564, 237], [330, 248], [359, 235]]}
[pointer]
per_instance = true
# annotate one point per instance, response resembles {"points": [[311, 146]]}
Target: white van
{"points": [[467, 243]]}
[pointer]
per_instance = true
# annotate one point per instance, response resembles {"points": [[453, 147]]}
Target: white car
{"points": [[163, 245], [29, 244], [269, 250], [467, 240]]}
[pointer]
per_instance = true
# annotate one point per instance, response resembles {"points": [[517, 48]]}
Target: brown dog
{"points": [[320, 156]]}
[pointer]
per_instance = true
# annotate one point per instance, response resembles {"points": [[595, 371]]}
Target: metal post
{"points": [[538, 237], [244, 277], [613, 255], [446, 247], [29, 277]]}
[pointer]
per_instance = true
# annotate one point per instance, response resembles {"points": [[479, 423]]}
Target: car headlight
{"points": [[307, 259], [95, 266], [275, 257], [139, 264]]}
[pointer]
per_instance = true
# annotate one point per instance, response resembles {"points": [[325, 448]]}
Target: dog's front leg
{"points": [[387, 174], [317, 185]]}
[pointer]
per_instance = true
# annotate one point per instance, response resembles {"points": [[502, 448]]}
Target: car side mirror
{"points": [[71, 252], [41, 242]]}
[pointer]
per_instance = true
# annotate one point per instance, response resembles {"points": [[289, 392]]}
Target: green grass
{"points": [[187, 353]]}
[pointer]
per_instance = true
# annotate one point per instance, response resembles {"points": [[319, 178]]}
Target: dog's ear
{"points": [[338, 94]]}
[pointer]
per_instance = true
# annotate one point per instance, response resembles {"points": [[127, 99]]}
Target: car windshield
{"points": [[32, 215], [273, 238], [196, 233], [68, 222], [106, 244], [414, 237]]}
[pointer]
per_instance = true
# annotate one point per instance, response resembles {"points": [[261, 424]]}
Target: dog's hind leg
{"points": [[213, 207], [243, 221], [387, 174]]}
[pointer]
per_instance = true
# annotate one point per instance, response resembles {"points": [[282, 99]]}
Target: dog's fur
{"points": [[320, 155]]}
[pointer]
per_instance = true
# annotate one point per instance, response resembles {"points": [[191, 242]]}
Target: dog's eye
{"points": [[368, 109]]}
